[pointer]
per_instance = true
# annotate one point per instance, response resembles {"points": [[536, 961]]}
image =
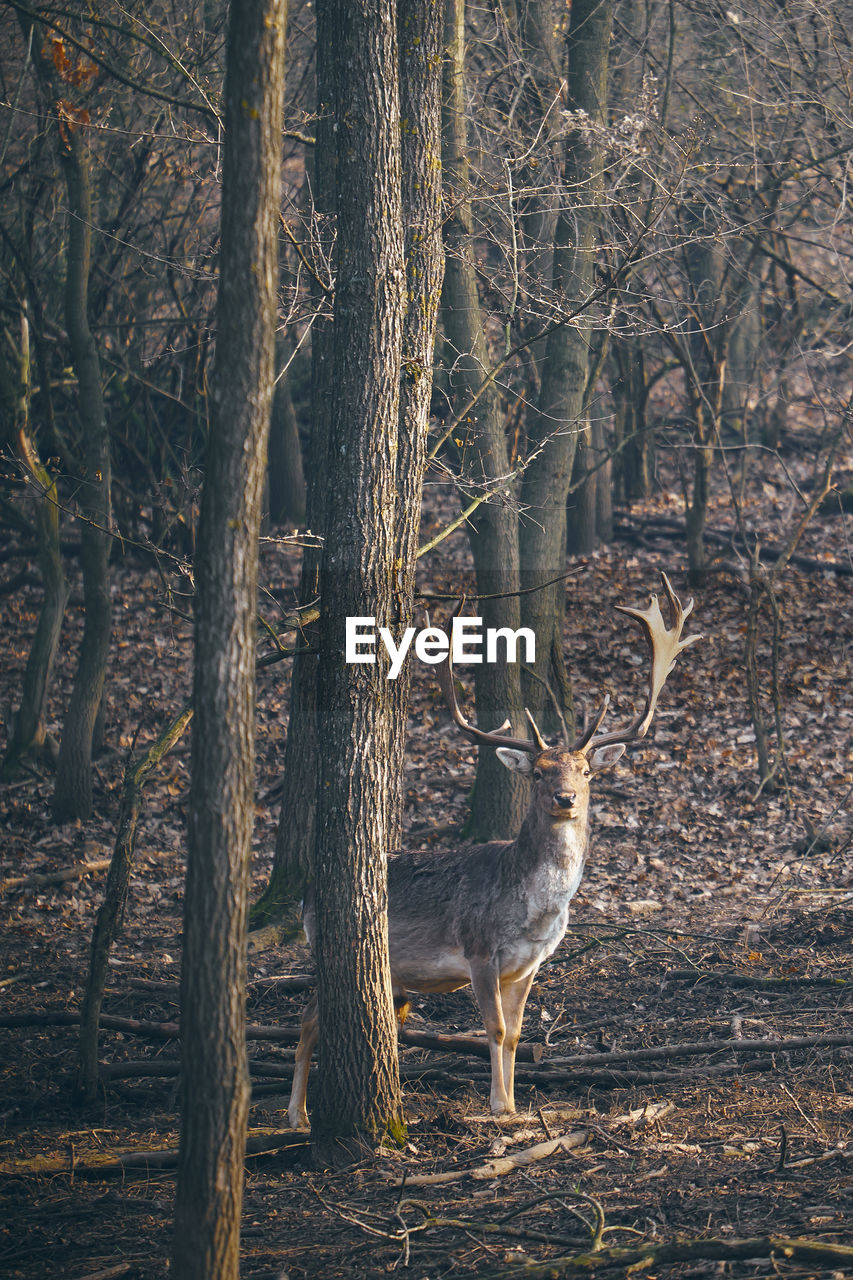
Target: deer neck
{"points": [[559, 844]]}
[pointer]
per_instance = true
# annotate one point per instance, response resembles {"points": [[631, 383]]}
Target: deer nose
{"points": [[565, 799]]}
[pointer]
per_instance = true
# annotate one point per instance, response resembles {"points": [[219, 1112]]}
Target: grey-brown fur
{"points": [[489, 914]]}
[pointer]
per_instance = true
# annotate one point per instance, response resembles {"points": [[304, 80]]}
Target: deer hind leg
{"points": [[484, 980], [297, 1113], [513, 999], [402, 1005]]}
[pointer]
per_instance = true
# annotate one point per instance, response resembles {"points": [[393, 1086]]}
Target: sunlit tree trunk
{"points": [[293, 860], [498, 800], [214, 1070], [28, 723], [419, 36], [559, 420], [358, 1092]]}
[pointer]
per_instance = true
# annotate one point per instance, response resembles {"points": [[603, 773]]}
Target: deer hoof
{"points": [[298, 1119]]}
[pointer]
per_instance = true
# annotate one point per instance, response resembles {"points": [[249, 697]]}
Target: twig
{"points": [[502, 1164]]}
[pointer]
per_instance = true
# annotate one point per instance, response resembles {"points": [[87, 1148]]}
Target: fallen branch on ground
{"points": [[734, 979], [501, 1164], [41, 879], [137, 1026], [476, 1045], [829, 1256], [259, 1142], [771, 551], [697, 1047]]}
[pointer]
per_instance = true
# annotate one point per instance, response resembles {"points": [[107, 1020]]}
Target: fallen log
{"points": [[259, 1142], [474, 1045], [831, 1257]]}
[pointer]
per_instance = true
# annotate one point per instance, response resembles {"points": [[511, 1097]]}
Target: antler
{"points": [[498, 737], [495, 738], [664, 645]]}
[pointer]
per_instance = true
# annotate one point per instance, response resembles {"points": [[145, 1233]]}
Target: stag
{"points": [[490, 914]]}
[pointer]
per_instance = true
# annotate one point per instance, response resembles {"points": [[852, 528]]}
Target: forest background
{"points": [[641, 363]]}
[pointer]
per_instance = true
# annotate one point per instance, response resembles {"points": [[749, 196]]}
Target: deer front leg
{"points": [[297, 1113], [484, 980], [513, 999]]}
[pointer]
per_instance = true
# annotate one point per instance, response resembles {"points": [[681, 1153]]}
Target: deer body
{"points": [[507, 900], [488, 915], [491, 914]]}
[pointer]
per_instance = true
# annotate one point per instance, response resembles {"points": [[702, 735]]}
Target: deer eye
{"points": [[587, 773], [537, 775]]}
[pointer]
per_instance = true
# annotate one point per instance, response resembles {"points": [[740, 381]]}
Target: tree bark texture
{"points": [[554, 428], [286, 477], [214, 1074], [358, 1093], [293, 861], [498, 801], [419, 34], [72, 796]]}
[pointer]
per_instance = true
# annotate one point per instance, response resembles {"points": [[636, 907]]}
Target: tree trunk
{"points": [[589, 511], [358, 1092], [581, 535], [286, 478], [554, 428], [635, 462], [28, 724], [72, 797], [704, 373], [111, 911], [419, 34], [293, 860], [214, 1072], [498, 800]]}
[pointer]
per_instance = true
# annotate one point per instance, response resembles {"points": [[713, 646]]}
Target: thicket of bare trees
{"points": [[645, 251], [646, 248]]}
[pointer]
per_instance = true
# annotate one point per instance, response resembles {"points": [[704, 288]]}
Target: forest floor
{"points": [[714, 924]]}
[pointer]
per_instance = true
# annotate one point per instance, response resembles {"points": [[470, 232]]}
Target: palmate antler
{"points": [[665, 644]]}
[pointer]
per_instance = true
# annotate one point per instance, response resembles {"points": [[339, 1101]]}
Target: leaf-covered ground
{"points": [[711, 915]]}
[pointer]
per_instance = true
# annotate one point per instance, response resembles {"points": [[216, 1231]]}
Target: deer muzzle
{"points": [[565, 802]]}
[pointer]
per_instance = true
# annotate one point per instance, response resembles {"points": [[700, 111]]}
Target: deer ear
{"points": [[604, 757], [512, 759]]}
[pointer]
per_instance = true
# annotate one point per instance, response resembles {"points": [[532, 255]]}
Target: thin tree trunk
{"points": [[214, 1071], [73, 793], [419, 33], [580, 509], [28, 726], [636, 457], [358, 1091], [498, 799], [293, 860], [286, 476], [111, 911], [554, 428]]}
